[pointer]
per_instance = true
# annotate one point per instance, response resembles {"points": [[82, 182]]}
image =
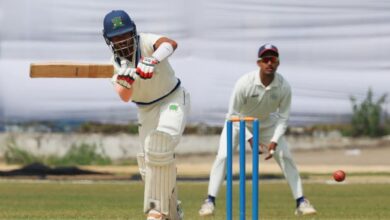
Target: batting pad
{"points": [[160, 178]]}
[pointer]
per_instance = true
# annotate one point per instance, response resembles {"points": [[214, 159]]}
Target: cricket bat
{"points": [[71, 70]]}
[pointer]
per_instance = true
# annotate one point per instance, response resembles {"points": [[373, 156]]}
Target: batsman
{"points": [[143, 75]]}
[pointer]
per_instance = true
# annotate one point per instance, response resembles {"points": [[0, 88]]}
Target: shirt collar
{"points": [[274, 83]]}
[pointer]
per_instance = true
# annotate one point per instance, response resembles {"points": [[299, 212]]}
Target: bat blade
{"points": [[71, 70]]}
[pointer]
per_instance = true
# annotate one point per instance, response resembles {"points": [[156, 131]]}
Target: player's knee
{"points": [[283, 155], [159, 148], [221, 158]]}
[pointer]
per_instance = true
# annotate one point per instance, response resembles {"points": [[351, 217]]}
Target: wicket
{"points": [[255, 168]]}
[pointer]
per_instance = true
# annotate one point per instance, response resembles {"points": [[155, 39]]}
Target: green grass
{"points": [[83, 154], [123, 200]]}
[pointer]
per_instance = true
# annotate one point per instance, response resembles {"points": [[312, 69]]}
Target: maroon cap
{"points": [[267, 47]]}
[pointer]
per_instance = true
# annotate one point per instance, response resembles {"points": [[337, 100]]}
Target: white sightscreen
{"points": [[329, 51]]}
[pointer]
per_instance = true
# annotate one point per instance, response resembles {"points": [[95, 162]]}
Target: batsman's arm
{"points": [[124, 93], [123, 80], [162, 40], [163, 48]]}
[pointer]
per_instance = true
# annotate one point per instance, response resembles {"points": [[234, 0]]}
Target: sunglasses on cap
{"points": [[273, 59]]}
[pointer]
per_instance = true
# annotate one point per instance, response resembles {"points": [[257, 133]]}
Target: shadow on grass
{"points": [[41, 171]]}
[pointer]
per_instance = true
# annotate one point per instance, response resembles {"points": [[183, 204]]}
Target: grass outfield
{"points": [[123, 200]]}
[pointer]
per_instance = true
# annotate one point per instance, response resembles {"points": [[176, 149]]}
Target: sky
{"points": [[329, 51]]}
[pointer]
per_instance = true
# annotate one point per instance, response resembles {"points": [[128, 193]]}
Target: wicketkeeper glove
{"points": [[146, 66]]}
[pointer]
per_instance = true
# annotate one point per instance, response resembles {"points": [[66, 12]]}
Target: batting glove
{"points": [[125, 76], [146, 66]]}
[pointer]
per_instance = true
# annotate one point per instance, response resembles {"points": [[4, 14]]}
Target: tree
{"points": [[367, 116]]}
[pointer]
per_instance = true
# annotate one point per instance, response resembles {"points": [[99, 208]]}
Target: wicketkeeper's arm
{"points": [[236, 102], [284, 114]]}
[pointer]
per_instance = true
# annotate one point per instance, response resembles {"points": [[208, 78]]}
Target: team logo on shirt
{"points": [[274, 96], [254, 95]]}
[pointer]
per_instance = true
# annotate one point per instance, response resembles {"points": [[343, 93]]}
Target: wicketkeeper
{"points": [[266, 95]]}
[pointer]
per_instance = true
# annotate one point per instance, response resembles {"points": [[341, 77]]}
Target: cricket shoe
{"points": [[207, 208], [305, 208], [180, 210], [155, 215]]}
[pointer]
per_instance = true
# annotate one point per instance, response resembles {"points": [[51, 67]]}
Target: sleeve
{"points": [[150, 40], [237, 100], [284, 114]]}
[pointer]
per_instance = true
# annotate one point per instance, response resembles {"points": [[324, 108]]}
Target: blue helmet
{"points": [[118, 23]]}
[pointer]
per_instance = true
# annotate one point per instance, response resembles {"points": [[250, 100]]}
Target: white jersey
{"points": [[271, 104], [163, 80]]}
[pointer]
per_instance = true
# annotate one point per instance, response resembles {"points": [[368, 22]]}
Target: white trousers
{"points": [[282, 156], [168, 115]]}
